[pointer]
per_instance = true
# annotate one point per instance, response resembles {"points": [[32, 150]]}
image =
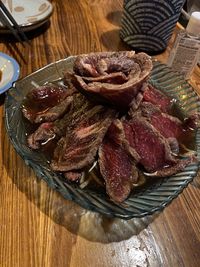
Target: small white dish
{"points": [[28, 14], [10, 70]]}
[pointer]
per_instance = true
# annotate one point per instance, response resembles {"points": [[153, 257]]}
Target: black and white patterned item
{"points": [[147, 25]]}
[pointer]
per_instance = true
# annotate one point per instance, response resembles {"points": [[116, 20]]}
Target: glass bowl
{"points": [[145, 200]]}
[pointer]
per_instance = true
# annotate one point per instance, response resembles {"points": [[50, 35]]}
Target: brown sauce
{"points": [[187, 138]]}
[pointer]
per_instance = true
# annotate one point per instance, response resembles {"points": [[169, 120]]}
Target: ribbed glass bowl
{"points": [[145, 200]]}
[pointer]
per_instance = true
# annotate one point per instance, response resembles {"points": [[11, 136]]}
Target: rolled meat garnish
{"points": [[113, 77]]}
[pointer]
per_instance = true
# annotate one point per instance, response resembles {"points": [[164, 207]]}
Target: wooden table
{"points": [[38, 228]]}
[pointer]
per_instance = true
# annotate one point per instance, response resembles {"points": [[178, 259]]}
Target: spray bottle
{"points": [[185, 53]]}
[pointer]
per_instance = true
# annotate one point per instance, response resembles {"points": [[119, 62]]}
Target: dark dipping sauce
{"points": [[187, 138]]}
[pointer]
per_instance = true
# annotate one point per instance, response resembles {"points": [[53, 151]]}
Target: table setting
{"points": [[100, 141]]}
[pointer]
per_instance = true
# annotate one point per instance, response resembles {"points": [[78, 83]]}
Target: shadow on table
{"points": [[115, 17], [13, 45], [108, 37], [118, 45], [89, 225], [6, 36]]}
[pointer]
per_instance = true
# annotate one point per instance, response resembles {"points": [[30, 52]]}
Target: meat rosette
{"points": [[113, 77]]}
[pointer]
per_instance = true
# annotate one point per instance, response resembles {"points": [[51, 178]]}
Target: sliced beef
{"points": [[78, 148], [116, 166], [47, 103], [170, 127], [115, 77], [167, 125], [55, 112], [192, 122], [44, 134], [41, 99], [97, 64], [177, 167], [135, 104], [117, 134], [153, 149], [47, 131], [156, 97], [73, 175], [174, 145]]}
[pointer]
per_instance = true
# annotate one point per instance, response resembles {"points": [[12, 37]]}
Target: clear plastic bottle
{"points": [[185, 53]]}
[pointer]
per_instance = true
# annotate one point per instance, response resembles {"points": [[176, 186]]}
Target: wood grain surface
{"points": [[38, 228]]}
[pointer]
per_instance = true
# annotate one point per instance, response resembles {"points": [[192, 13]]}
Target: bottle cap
{"points": [[193, 26]]}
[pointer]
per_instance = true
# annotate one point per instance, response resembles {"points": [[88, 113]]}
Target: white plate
{"points": [[29, 14], [10, 72]]}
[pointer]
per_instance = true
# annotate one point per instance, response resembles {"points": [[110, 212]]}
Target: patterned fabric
{"points": [[148, 25]]}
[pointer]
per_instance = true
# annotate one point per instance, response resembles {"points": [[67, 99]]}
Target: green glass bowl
{"points": [[145, 200]]}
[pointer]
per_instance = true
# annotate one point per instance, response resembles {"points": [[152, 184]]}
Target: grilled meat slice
{"points": [[116, 165]]}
